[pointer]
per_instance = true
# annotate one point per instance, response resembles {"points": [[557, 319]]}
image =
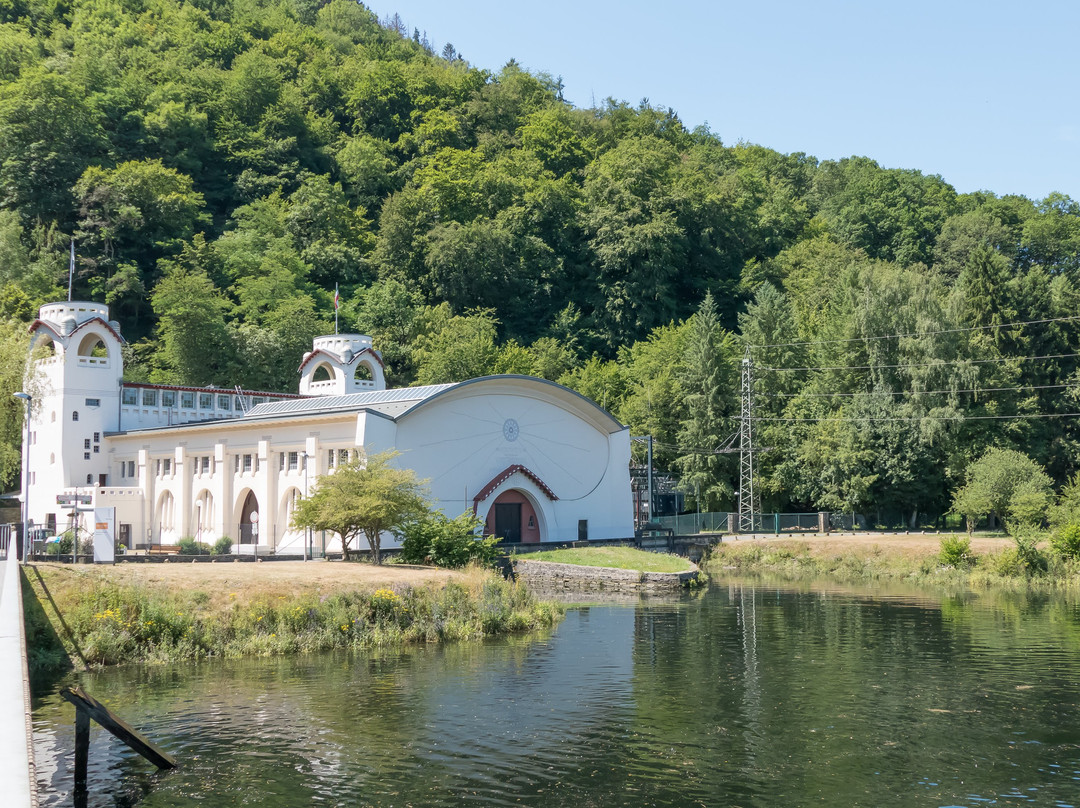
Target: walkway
{"points": [[16, 738]]}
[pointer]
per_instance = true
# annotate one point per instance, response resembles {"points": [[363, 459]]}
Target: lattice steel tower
{"points": [[747, 501]]}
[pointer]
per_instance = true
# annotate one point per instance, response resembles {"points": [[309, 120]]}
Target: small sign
{"points": [[74, 499], [104, 535]]}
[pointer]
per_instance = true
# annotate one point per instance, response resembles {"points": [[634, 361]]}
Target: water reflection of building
{"points": [[538, 461]]}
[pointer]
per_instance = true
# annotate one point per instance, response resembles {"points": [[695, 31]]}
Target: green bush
{"points": [[66, 543], [1033, 559], [188, 546], [1006, 563], [447, 542], [956, 552], [223, 546], [1066, 541]]}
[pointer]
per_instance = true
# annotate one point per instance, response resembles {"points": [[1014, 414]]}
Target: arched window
{"points": [[363, 373], [74, 415], [322, 374], [93, 345], [46, 347]]}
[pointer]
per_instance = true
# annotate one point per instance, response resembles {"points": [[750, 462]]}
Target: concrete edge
{"points": [[17, 770], [577, 576]]}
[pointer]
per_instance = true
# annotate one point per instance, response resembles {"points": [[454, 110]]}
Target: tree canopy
{"points": [[224, 166], [366, 496]]}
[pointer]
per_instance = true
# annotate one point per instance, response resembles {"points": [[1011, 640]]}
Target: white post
{"points": [[27, 399]]}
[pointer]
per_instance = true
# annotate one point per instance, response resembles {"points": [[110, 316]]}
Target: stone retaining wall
{"points": [[549, 575]]}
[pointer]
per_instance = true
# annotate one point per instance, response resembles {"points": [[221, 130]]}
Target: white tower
{"points": [[340, 364], [79, 370]]}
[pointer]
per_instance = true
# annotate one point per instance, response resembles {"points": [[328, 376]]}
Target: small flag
{"points": [[337, 298]]}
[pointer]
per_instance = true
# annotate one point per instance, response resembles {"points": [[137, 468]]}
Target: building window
{"points": [[86, 456], [168, 398], [281, 461], [86, 443], [130, 396], [123, 469], [206, 401], [75, 415], [89, 479], [97, 437], [343, 456], [247, 463], [236, 463], [166, 466], [187, 400], [93, 402], [97, 449], [294, 461], [330, 458], [224, 402], [149, 398], [131, 468]]}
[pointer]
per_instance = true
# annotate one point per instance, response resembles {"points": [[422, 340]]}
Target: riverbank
{"points": [[90, 616], [915, 558]]}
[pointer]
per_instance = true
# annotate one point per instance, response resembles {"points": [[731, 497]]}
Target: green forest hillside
{"points": [[223, 164]]}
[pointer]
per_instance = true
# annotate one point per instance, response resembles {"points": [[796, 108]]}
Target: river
{"points": [[749, 694]]}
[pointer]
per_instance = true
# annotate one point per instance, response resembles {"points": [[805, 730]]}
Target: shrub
{"points": [[1066, 541], [1032, 558], [188, 546], [1007, 563], [66, 543], [222, 546], [956, 552], [447, 542]]}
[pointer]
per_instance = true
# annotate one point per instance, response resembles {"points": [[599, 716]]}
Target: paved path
{"points": [[16, 740]]}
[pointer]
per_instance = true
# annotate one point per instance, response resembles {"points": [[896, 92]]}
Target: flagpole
{"points": [[71, 268]]}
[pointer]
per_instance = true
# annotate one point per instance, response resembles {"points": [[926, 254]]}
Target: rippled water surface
{"points": [[748, 695]]}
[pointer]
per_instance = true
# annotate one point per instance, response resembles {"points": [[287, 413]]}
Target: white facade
{"points": [[536, 460]]}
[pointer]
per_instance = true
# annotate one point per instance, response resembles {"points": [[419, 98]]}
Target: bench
{"points": [[163, 549]]}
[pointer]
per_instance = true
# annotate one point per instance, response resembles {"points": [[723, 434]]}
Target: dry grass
{"points": [[227, 581], [913, 547]]}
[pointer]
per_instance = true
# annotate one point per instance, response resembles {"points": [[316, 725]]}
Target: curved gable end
{"points": [[530, 387]]}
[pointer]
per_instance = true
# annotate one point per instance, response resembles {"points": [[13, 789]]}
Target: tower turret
{"points": [[339, 364], [79, 369]]}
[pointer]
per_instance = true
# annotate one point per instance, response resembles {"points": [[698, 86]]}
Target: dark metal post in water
{"points": [[87, 707], [82, 747]]}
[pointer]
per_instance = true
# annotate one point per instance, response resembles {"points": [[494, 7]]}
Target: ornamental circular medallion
{"points": [[511, 430]]}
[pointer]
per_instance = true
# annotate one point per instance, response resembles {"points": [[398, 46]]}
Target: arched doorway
{"points": [[248, 519], [166, 525], [286, 534], [202, 519], [513, 518]]}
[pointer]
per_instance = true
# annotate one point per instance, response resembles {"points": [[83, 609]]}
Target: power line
{"points": [[920, 333], [920, 392], [928, 418], [942, 363]]}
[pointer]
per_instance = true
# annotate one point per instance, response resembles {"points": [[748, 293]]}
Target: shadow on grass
{"points": [[47, 660]]}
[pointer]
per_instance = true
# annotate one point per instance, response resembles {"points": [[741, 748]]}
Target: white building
{"points": [[536, 460]]}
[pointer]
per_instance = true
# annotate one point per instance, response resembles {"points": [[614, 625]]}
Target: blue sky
{"points": [[983, 93]]}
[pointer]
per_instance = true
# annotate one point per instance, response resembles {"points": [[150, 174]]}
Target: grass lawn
{"points": [[620, 558]]}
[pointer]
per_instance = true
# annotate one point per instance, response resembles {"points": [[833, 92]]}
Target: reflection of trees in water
{"points": [[745, 695], [793, 695]]}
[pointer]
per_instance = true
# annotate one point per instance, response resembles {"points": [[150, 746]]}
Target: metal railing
{"points": [[688, 524]]}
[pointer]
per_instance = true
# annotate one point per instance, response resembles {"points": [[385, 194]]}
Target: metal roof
{"points": [[352, 401]]}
